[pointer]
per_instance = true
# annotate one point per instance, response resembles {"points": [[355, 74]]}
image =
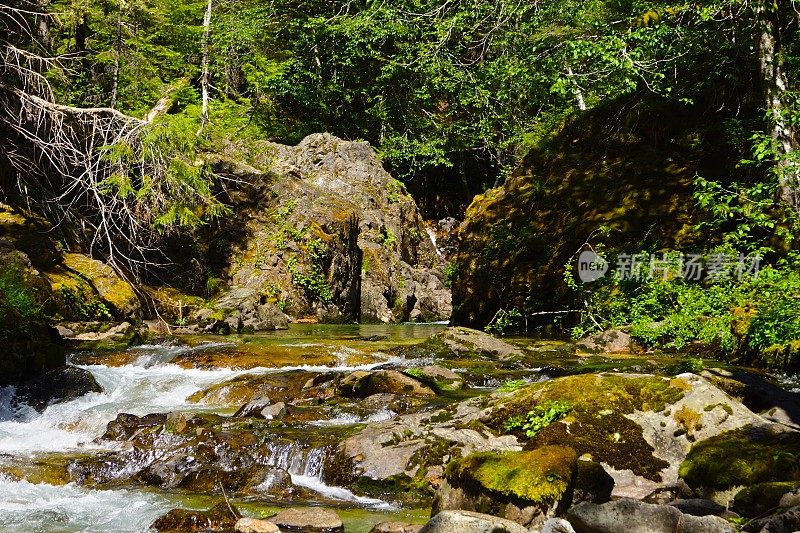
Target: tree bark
{"points": [[205, 81], [774, 86]]}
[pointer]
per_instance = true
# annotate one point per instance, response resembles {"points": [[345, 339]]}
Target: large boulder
{"points": [[60, 385], [31, 346], [322, 229], [639, 427], [461, 343], [221, 517]]}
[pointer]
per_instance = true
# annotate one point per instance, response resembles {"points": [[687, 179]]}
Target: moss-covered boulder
{"points": [[525, 487], [629, 169], [639, 427], [763, 498], [31, 347], [221, 517], [361, 384], [743, 457]]}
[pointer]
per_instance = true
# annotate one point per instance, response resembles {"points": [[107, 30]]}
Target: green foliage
{"points": [[415, 372], [512, 385], [539, 417], [82, 307], [313, 282], [739, 314], [504, 321], [450, 273], [18, 301], [395, 191]]}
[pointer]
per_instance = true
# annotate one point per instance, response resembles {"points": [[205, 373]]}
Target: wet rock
{"points": [[467, 521], [221, 517], [397, 403], [125, 425], [786, 522], [444, 378], [253, 407], [592, 483], [103, 336], [395, 527], [241, 309], [772, 402], [362, 384], [637, 517], [254, 525], [756, 500], [59, 385], [610, 341], [311, 519]]}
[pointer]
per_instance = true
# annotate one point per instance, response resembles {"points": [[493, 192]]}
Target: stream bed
{"points": [[160, 379]]}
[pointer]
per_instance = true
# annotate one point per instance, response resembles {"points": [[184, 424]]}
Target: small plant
{"points": [[395, 191], [539, 417], [450, 272], [512, 385], [415, 372], [83, 308], [387, 237]]}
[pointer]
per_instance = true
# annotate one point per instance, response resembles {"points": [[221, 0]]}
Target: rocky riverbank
{"points": [[475, 431]]}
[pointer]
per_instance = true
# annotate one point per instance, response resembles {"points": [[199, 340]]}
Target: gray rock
{"points": [[787, 522], [361, 384], [312, 519], [253, 407], [469, 522], [634, 516], [471, 341], [56, 386], [611, 341]]}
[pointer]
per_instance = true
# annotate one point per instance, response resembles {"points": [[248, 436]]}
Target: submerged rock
{"points": [[467, 521]]}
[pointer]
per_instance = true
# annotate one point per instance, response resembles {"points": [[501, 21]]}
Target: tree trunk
{"points": [[117, 55], [578, 91], [205, 81], [43, 24], [774, 86]]}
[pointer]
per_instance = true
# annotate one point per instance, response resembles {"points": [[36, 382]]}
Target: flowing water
{"points": [[151, 381]]}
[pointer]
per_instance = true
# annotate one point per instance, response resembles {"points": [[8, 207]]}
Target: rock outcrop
{"points": [[322, 229]]}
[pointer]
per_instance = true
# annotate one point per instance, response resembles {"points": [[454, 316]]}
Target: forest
{"points": [[560, 239]]}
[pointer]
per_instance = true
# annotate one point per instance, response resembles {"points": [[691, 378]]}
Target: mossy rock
{"points": [[762, 498], [743, 457], [112, 289], [781, 357], [538, 476], [596, 425]]}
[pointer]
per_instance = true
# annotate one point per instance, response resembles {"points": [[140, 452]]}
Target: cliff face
{"points": [[621, 178], [322, 229]]}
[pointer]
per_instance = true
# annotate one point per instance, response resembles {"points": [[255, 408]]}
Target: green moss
{"points": [[743, 457], [762, 498], [540, 476], [597, 424]]}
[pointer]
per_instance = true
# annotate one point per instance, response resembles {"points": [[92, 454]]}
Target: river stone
{"points": [[464, 341], [254, 525], [395, 527], [313, 519], [274, 411], [470, 522], [253, 407], [786, 522], [633, 516], [361, 384], [555, 525], [759, 499], [56, 386], [221, 517], [698, 507]]}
